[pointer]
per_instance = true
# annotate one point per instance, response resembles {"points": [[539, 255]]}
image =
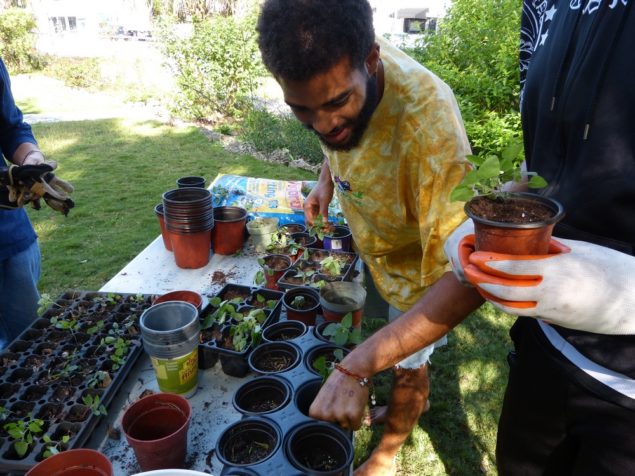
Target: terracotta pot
{"points": [[78, 462], [273, 269], [341, 297], [307, 315], [191, 250], [192, 297], [156, 428], [158, 210], [228, 235], [513, 238]]}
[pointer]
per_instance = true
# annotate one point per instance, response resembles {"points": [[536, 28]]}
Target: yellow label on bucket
{"points": [[178, 375]]}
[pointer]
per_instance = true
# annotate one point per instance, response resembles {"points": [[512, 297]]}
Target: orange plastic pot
{"points": [[191, 250], [272, 275], [337, 316], [164, 231], [341, 297], [228, 234], [156, 427], [194, 298], [513, 238], [78, 462]]}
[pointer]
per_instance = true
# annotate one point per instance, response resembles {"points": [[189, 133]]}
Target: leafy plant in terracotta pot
{"points": [[504, 221], [273, 267], [302, 304]]}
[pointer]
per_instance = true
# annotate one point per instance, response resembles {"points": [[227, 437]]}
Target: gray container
{"points": [[170, 333]]}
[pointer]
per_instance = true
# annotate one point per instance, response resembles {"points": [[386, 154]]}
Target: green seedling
{"points": [[269, 304], [298, 302], [23, 432], [226, 310], [71, 325], [343, 333], [248, 330], [331, 266], [99, 325], [99, 379], [491, 172], [324, 366], [320, 227], [54, 447], [94, 402], [318, 284]]}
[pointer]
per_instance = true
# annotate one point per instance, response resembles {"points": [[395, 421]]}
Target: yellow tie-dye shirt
{"points": [[394, 186]]}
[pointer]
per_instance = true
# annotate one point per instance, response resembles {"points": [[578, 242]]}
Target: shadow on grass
{"points": [[468, 377]]}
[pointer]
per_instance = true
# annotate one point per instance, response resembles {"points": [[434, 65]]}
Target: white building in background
{"points": [[403, 22]]}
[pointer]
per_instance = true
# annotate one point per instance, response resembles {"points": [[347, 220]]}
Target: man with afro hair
{"points": [[394, 146]]}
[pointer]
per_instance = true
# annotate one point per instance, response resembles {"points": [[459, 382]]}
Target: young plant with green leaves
{"points": [[95, 405], [52, 447], [320, 227], [492, 171], [324, 365], [268, 303], [23, 432], [226, 310], [331, 266], [343, 333], [248, 330]]}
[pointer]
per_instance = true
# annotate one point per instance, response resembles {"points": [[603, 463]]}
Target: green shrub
{"points": [[216, 68], [76, 72], [475, 51], [268, 132], [17, 42]]}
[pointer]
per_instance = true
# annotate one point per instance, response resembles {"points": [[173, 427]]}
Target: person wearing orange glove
{"points": [[569, 406]]}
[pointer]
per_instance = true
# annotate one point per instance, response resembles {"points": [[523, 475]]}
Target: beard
{"points": [[360, 123]]}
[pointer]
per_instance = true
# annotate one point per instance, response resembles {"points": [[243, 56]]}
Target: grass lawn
{"points": [[120, 168]]}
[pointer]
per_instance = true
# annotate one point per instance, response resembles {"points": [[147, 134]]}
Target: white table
{"points": [[154, 271]]}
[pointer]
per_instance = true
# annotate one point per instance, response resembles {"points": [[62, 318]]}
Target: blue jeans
{"points": [[19, 296]]}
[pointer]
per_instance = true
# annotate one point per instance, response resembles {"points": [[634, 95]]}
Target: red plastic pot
{"points": [[273, 270], [156, 427], [164, 231], [335, 316], [307, 315], [192, 297], [78, 462], [191, 250], [341, 297], [228, 235]]}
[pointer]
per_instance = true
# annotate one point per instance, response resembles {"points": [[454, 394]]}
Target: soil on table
{"points": [[273, 363], [248, 452], [511, 210]]}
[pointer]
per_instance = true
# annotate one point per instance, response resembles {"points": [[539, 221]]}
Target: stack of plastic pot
{"points": [[189, 219]]}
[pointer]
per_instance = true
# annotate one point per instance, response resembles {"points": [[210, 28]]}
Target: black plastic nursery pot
{"points": [[216, 340], [274, 357], [284, 330], [319, 449], [326, 350], [339, 239], [262, 395], [248, 442]]}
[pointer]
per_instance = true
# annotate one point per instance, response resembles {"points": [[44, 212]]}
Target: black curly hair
{"points": [[301, 38]]}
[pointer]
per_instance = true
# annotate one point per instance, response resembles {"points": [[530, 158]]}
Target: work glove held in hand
{"points": [[456, 252], [577, 285], [28, 183]]}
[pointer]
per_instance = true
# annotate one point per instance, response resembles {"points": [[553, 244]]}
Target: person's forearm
{"points": [[325, 172], [441, 308]]}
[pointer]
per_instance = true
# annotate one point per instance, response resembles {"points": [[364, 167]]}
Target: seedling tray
{"points": [[211, 348], [302, 384], [310, 259], [48, 370]]}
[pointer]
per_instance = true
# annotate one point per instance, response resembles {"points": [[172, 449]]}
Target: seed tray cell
{"points": [[48, 370], [212, 348], [310, 260]]}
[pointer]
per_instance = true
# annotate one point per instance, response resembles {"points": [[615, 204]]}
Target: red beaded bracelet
{"points": [[363, 382]]}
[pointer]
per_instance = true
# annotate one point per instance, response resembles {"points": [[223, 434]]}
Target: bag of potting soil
{"points": [[282, 199]]}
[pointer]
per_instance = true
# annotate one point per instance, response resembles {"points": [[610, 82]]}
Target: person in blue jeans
{"points": [[24, 179]]}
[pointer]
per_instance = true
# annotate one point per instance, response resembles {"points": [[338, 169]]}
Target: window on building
{"points": [[413, 25]]}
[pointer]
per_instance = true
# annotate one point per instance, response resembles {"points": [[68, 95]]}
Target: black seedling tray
{"points": [[210, 349], [311, 258], [302, 384], [48, 369]]}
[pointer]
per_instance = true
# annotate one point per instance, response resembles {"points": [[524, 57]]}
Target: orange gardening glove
{"points": [[577, 285]]}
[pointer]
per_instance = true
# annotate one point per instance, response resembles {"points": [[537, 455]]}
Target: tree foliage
{"points": [[475, 51], [17, 42], [215, 68]]}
